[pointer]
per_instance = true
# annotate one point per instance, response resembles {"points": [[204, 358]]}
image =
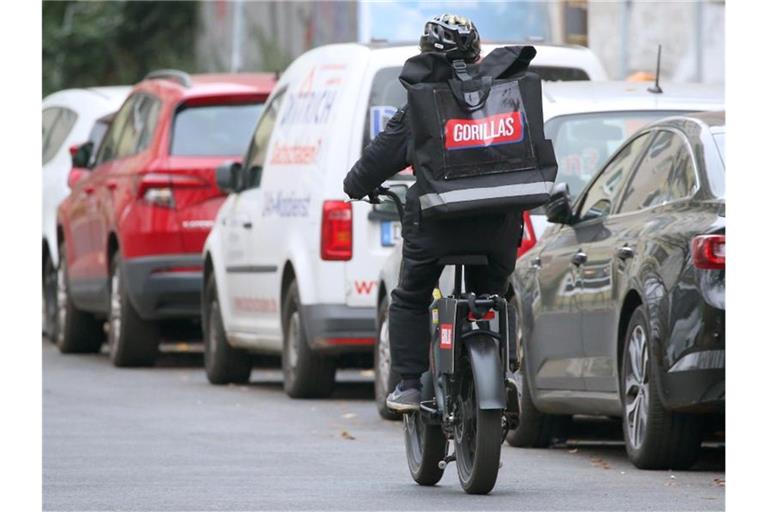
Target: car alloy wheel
{"points": [[115, 311], [637, 387]]}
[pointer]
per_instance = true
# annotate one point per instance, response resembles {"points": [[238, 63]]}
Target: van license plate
{"points": [[390, 233]]}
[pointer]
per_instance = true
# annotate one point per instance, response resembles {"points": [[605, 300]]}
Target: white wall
{"points": [[673, 24]]}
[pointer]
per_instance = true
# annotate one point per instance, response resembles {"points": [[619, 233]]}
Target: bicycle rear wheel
{"points": [[478, 440]]}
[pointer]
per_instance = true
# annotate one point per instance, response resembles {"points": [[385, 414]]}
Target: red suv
{"points": [[132, 229]]}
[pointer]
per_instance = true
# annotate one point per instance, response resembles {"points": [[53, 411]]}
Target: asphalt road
{"points": [[164, 439]]}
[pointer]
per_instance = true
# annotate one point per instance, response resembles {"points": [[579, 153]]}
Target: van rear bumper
{"points": [[339, 329]]}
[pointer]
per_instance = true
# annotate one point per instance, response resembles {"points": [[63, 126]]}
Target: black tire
{"points": [[224, 364], [654, 437], [529, 428], [384, 379], [305, 374], [50, 303], [425, 447], [133, 341], [77, 332], [478, 453]]}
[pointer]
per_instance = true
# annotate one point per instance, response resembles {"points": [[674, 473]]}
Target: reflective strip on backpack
{"points": [[479, 194]]}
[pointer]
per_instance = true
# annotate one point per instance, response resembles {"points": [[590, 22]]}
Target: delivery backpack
{"points": [[478, 134]]}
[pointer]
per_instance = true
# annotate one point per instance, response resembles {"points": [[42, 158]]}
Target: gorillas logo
{"points": [[506, 128]]}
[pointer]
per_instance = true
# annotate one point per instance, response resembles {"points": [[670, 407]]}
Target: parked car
{"points": [[290, 266], [132, 229], [621, 304], [586, 122], [69, 117]]}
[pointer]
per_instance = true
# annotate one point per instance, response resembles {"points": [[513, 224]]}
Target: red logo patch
{"points": [[506, 128], [446, 335]]}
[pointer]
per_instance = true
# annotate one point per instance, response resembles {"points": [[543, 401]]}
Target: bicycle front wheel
{"points": [[478, 440]]}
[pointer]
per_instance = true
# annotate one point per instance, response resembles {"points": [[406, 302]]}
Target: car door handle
{"points": [[579, 258], [247, 224], [625, 252]]}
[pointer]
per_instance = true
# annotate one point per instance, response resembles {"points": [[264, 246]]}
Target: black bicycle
{"points": [[464, 393]]}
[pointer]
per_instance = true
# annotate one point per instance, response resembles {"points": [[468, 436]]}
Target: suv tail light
{"points": [[529, 236], [708, 252], [336, 231], [157, 189]]}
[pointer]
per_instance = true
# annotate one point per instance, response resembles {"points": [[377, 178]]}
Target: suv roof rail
{"points": [[175, 75]]}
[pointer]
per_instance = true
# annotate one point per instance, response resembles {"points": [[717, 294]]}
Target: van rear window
{"points": [[214, 130]]}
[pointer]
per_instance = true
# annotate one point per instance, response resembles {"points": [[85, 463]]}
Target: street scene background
{"points": [[163, 438]]}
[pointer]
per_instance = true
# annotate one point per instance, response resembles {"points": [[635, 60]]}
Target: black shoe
{"points": [[405, 398]]}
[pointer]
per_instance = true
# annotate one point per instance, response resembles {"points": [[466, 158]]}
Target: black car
{"points": [[621, 304]]}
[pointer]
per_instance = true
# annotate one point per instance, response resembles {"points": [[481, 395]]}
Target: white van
{"points": [[291, 268]]}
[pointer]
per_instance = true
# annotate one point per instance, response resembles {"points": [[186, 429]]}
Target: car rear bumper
{"points": [[339, 329], [696, 383], [165, 287]]}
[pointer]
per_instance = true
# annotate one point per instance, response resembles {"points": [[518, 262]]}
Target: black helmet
{"points": [[456, 36]]}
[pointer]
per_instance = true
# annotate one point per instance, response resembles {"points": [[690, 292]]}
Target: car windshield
{"points": [[720, 141], [583, 142], [388, 94], [214, 130]]}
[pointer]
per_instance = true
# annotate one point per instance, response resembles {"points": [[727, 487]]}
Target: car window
{"points": [[602, 193], [584, 141], [139, 126], [666, 173], [720, 143], [257, 152], [49, 119], [108, 149], [57, 132], [214, 130]]}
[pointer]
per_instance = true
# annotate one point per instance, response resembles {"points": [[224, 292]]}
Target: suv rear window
{"points": [[214, 130]]}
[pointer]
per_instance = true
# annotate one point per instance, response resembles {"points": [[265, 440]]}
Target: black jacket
{"points": [[384, 157]]}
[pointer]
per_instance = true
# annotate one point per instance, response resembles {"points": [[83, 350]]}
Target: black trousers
{"points": [[424, 244]]}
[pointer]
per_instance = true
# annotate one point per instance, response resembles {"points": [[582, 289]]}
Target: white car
{"points": [[586, 122], [291, 268], [69, 117]]}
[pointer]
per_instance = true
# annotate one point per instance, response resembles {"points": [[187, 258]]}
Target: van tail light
{"points": [[336, 231], [157, 188], [529, 236], [708, 252]]}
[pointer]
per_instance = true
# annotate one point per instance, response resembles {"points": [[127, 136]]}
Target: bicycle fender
{"points": [[488, 373]]}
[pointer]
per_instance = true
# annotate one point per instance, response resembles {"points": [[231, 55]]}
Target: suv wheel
{"points": [[76, 331], [223, 363], [132, 340], [305, 373], [654, 437], [384, 380]]}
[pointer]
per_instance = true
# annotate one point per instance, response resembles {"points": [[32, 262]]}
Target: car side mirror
{"points": [[81, 154], [558, 208], [228, 176]]}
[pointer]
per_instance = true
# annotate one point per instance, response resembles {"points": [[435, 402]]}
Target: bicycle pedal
{"points": [[444, 463]]}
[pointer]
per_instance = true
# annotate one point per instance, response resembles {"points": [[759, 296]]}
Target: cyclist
{"points": [[425, 241]]}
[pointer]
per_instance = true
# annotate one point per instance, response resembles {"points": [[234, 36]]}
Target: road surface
{"points": [[164, 439]]}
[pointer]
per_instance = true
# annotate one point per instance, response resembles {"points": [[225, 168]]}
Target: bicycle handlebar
{"points": [[373, 198]]}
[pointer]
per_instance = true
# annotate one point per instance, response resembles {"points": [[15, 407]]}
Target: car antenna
{"points": [[655, 89]]}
